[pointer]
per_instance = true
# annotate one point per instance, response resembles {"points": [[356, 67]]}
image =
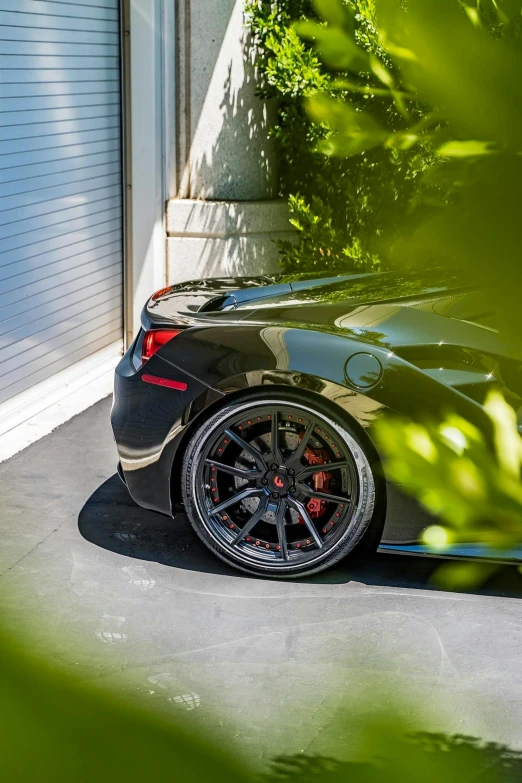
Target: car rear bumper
{"points": [[148, 421]]}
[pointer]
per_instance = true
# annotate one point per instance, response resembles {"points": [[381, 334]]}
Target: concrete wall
{"points": [[224, 238], [224, 152]]}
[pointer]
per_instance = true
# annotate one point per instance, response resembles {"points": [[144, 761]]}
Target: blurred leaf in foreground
{"points": [[475, 490], [54, 729]]}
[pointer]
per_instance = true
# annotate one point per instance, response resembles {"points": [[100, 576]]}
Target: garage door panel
{"points": [[77, 225], [62, 309], [78, 231], [39, 355], [70, 11], [58, 49], [67, 338], [88, 108], [49, 282], [48, 209], [14, 18], [16, 286], [12, 273], [61, 192], [82, 174], [86, 344], [56, 154], [31, 257], [102, 3], [53, 154], [63, 318], [50, 62], [79, 283], [52, 224], [42, 103], [21, 174], [53, 35], [12, 133], [60, 141], [37, 199], [21, 92], [34, 75]]}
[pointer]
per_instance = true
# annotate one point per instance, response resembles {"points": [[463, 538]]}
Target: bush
{"points": [[343, 209]]}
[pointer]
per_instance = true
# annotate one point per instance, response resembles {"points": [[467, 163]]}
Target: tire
{"points": [[298, 529]]}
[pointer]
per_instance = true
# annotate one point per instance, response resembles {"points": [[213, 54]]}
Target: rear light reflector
{"points": [[153, 340], [161, 292], [166, 382]]}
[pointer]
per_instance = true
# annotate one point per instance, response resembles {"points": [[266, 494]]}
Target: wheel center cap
{"points": [[278, 482]]}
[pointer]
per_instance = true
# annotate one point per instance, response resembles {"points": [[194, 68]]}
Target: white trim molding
{"points": [[150, 67]]}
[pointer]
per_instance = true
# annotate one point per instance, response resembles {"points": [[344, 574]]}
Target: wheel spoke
{"points": [[281, 528], [311, 493], [297, 455], [246, 493], [255, 453], [301, 508], [327, 467], [233, 471], [252, 522], [274, 440]]}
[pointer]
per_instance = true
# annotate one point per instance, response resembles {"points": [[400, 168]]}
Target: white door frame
{"points": [[148, 89]]}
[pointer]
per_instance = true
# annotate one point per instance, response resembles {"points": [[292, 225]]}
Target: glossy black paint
{"points": [[367, 345], [147, 421]]}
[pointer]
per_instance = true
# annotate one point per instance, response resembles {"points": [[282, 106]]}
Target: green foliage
{"points": [[54, 729], [473, 488], [343, 209], [458, 477], [463, 63]]}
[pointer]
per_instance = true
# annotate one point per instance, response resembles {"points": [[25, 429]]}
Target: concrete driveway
{"points": [[132, 600]]}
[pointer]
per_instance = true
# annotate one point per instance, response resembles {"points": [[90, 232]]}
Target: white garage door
{"points": [[60, 186]]}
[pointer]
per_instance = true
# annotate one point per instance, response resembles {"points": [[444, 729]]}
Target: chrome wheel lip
{"points": [[253, 553]]}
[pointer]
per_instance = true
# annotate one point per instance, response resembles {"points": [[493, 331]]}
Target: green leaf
{"points": [[335, 47], [437, 537], [307, 29], [473, 15], [340, 115], [332, 11], [57, 730], [348, 144], [381, 72], [354, 131], [465, 149], [508, 443], [463, 576]]}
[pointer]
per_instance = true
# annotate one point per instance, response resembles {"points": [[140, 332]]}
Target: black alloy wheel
{"points": [[277, 488]]}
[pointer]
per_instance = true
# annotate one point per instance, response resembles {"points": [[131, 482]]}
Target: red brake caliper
{"points": [[320, 480]]}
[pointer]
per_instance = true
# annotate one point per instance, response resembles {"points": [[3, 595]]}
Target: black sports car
{"points": [[250, 400]]}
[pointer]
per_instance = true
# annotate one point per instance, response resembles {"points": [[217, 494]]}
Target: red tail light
{"points": [[153, 340]]}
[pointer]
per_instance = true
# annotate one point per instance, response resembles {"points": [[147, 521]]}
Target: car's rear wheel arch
{"points": [[314, 400]]}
